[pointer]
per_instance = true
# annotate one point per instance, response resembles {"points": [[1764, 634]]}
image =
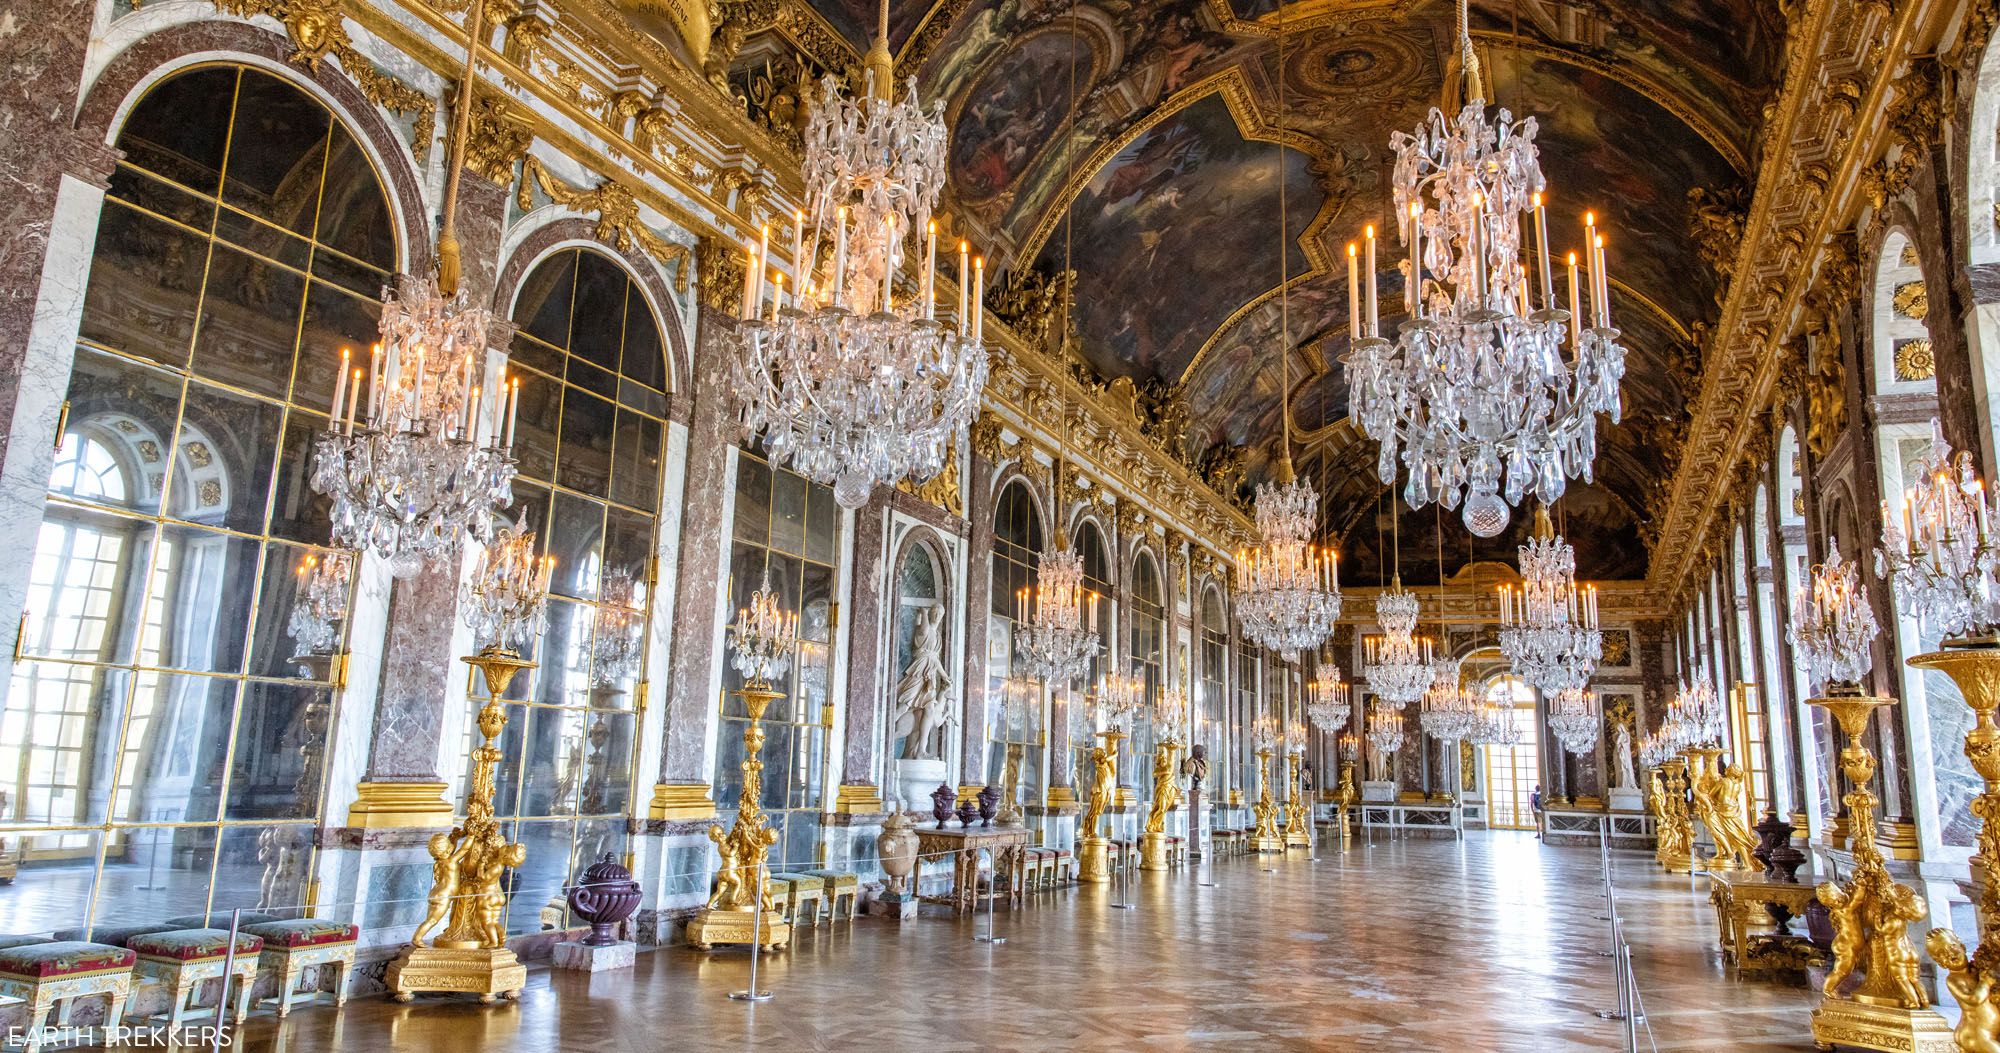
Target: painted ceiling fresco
{"points": [[1168, 168]]}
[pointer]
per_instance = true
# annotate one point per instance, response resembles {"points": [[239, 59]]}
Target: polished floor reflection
{"points": [[1485, 944]]}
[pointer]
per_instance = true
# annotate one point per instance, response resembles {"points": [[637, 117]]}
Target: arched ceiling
{"points": [[1171, 181]]}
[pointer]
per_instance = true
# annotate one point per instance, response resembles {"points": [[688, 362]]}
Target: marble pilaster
{"points": [[873, 593], [693, 678], [978, 619]]}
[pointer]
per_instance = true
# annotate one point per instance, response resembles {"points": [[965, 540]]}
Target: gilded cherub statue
{"points": [[1978, 1029], [448, 849]]}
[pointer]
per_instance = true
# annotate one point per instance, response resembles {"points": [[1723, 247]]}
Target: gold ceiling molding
{"points": [[1831, 41], [617, 217], [1304, 16], [1235, 91]]}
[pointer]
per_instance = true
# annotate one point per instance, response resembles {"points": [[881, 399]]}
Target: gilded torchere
{"points": [[1675, 830], [468, 894], [1298, 810], [1976, 671], [743, 881], [1093, 849], [1153, 853], [1269, 836], [1871, 912]]}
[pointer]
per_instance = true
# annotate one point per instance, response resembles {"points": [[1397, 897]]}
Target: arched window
{"points": [[1146, 659], [1214, 732], [1017, 552], [159, 740], [587, 353], [786, 530], [1513, 771]]}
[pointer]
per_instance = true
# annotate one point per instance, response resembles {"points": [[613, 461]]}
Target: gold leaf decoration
{"points": [[1914, 360], [1911, 300]]}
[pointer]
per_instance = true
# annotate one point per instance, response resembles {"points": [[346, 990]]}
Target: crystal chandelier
{"points": [[1171, 719], [428, 461], [1288, 593], [1573, 718], [1119, 698], [506, 602], [1833, 625], [1493, 724], [1449, 709], [1656, 749], [1295, 739], [1264, 735], [320, 604], [1385, 727], [1694, 717], [1327, 698], [763, 636], [1937, 550], [616, 645], [1474, 395], [1548, 627], [1397, 663], [1060, 637], [849, 386]]}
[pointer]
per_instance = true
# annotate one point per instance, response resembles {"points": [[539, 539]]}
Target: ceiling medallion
{"points": [[1478, 397], [849, 387]]}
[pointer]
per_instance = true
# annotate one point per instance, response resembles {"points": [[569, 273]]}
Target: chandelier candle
{"points": [[1938, 550]]}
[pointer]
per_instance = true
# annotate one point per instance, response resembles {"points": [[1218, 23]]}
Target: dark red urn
{"points": [[604, 895]]}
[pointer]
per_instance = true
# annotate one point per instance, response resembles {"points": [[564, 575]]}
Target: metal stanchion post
{"points": [[228, 972], [1312, 829], [992, 893], [752, 993]]}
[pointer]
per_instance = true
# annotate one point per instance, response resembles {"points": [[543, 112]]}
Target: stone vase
{"points": [[896, 846], [604, 895]]}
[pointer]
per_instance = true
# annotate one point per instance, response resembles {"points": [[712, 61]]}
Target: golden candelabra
{"points": [[742, 879], [1269, 836], [1346, 800], [1719, 804], [1298, 810], [1153, 854], [1093, 849], [1974, 980], [1674, 829], [1871, 912], [468, 892]]}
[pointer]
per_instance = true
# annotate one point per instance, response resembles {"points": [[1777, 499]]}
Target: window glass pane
{"points": [[145, 280], [176, 746], [535, 425], [584, 461], [181, 126], [198, 605], [598, 323], [753, 501], [354, 210], [154, 874], [277, 152], [222, 460], [635, 469], [280, 752], [333, 320], [576, 540], [250, 322], [644, 359]]}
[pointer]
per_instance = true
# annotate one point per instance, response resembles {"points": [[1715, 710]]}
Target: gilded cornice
{"points": [[1807, 181]]}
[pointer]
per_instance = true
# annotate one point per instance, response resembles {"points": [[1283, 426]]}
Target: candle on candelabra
{"points": [[799, 267], [964, 285], [1575, 307], [339, 389], [763, 259], [1590, 259], [513, 406], [1413, 292], [1353, 294], [1542, 253], [353, 396], [840, 257], [777, 294], [1603, 285], [749, 307], [978, 299], [1368, 236]]}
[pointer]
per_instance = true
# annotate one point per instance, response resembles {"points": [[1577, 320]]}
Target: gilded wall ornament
{"points": [[721, 265], [1914, 360], [941, 489], [1826, 403], [986, 437], [497, 140], [316, 31], [617, 216], [1911, 301]]}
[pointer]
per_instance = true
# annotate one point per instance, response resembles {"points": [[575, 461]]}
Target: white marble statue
{"points": [[921, 700], [1622, 776]]}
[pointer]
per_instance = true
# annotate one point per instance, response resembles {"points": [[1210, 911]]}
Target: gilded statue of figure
{"points": [[1847, 934], [728, 875], [1166, 790], [444, 882], [1727, 823], [489, 889], [1103, 783], [1891, 955], [1978, 1029]]}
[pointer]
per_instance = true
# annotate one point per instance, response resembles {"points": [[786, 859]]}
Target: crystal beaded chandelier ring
{"points": [[616, 644], [1449, 710], [430, 459], [1937, 549], [1548, 626], [1385, 727], [1327, 698], [320, 604], [1833, 626], [1119, 697], [1060, 637], [1694, 717], [1474, 397], [1573, 717], [1396, 665], [506, 602], [850, 387], [763, 636]]}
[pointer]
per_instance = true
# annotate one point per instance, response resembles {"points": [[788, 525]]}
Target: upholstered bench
{"points": [[837, 886], [801, 889], [42, 973], [1041, 868], [1177, 850], [183, 958], [1065, 869], [292, 947], [1123, 855]]}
